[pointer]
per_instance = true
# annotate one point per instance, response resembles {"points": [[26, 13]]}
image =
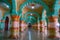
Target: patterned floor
{"points": [[29, 34]]}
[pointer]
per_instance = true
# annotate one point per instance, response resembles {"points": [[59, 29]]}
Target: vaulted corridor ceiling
{"points": [[22, 7], [41, 14]]}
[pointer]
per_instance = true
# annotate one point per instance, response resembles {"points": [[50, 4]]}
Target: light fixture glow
{"points": [[33, 7], [6, 5], [31, 13]]}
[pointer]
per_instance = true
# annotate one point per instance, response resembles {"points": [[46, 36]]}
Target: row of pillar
{"points": [[52, 25], [52, 29]]}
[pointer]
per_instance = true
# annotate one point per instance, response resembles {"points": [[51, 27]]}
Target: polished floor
{"points": [[28, 34]]}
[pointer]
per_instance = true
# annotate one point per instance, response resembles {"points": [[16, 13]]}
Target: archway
{"points": [[31, 16], [27, 3], [36, 2], [40, 2]]}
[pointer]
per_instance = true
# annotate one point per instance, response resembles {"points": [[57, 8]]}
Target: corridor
{"points": [[29, 34], [29, 19]]}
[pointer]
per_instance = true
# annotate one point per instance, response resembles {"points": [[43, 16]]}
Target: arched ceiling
{"points": [[19, 2], [28, 7], [39, 9]]}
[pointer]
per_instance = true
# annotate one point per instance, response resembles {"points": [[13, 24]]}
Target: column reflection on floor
{"points": [[23, 35], [29, 34]]}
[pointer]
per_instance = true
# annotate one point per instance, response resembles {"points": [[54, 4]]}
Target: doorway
{"points": [[29, 25], [6, 23]]}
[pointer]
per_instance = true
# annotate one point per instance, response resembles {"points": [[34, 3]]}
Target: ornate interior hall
{"points": [[29, 19]]}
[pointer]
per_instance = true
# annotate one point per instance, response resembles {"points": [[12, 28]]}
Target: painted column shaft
{"points": [[53, 27], [15, 27], [14, 7], [15, 21], [38, 24], [41, 26], [23, 26]]}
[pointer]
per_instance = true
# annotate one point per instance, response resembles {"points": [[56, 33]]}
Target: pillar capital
{"points": [[42, 22], [53, 18], [15, 18]]}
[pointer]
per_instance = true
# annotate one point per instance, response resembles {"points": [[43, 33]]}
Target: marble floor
{"points": [[28, 34]]}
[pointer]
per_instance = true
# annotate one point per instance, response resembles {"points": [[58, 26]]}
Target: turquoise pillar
{"points": [[14, 7], [53, 21], [43, 16], [56, 8], [15, 21]]}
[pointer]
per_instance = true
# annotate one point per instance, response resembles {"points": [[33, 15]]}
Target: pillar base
{"points": [[14, 36], [53, 33], [58, 35], [51, 36], [42, 27]]}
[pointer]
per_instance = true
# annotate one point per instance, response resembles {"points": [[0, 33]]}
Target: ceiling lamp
{"points": [[31, 14], [4, 5], [33, 6]]}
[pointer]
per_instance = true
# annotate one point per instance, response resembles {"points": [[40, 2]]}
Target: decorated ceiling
{"points": [[30, 10]]}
